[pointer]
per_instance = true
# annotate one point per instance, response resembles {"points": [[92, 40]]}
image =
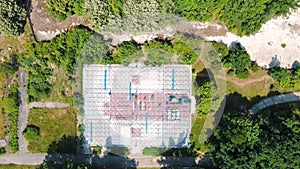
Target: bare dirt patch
{"points": [[46, 27]]}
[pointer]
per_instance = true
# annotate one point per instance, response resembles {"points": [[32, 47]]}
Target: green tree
{"points": [[267, 140], [12, 17], [281, 75]]}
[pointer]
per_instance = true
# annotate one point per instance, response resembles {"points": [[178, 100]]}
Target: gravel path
{"points": [[284, 98]]}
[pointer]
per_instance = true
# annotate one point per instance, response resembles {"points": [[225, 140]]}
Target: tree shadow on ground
{"points": [[62, 155]]}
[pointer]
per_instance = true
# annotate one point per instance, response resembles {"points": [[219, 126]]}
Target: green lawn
{"points": [[57, 127]]}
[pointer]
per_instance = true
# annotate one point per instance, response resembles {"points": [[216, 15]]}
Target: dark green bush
{"points": [[31, 133]]}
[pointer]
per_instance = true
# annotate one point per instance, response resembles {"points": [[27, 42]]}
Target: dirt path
{"points": [[46, 27], [249, 81]]}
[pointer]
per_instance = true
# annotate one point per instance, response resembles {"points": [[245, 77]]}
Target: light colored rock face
{"points": [[266, 45]]}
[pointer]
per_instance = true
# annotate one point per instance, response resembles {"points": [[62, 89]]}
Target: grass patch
{"points": [[168, 152], [54, 124], [198, 124], [257, 84], [18, 166]]}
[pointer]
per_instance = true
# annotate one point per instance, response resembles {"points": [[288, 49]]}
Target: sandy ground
{"points": [[266, 44]]}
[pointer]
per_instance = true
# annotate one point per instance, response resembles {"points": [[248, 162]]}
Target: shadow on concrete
{"points": [[274, 62], [62, 154], [296, 64]]}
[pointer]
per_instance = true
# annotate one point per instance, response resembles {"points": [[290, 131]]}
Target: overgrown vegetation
{"points": [[286, 78], [267, 140], [41, 60], [31, 133], [241, 17], [10, 105], [61, 9], [55, 126], [12, 17], [126, 53]]}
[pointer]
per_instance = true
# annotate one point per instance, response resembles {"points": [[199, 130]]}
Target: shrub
{"points": [[244, 74], [97, 149], [282, 76], [2, 151], [31, 133]]}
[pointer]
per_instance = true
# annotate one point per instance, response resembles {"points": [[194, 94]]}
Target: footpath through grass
{"points": [[53, 124]]}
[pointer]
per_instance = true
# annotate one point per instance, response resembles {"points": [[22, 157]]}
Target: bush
{"points": [[97, 149], [185, 53], [2, 151], [159, 53], [221, 48], [31, 133], [282, 76], [244, 74], [126, 53]]}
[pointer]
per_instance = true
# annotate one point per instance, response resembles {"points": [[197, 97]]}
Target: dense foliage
{"points": [[41, 59], [31, 133], [286, 78], [12, 16], [126, 53], [61, 9], [237, 60], [10, 105], [268, 140], [241, 17]]}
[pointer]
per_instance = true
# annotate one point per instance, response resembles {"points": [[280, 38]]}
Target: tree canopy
{"points": [[268, 140], [61, 9], [12, 17]]}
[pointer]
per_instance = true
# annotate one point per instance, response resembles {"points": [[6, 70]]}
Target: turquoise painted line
{"points": [[105, 73], [146, 123], [91, 132], [130, 91], [173, 79]]}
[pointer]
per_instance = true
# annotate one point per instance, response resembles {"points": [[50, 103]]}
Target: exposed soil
{"points": [[46, 27]]}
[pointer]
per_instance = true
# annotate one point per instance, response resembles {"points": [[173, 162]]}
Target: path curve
{"points": [[274, 100]]}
